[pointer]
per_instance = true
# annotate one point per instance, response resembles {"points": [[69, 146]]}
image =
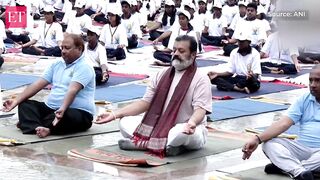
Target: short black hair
{"points": [[252, 5], [193, 42]]}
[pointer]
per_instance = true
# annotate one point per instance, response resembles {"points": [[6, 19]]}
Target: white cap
{"points": [[205, 1], [94, 29], [217, 5], [190, 5], [48, 9], [113, 10], [169, 3], [186, 13], [134, 3], [243, 36], [79, 4], [242, 2], [21, 2]]}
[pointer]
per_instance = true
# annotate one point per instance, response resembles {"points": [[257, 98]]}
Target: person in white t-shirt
{"points": [[131, 24], [215, 29], [68, 13], [163, 57], [100, 15], [243, 71], [230, 10], [113, 36], [47, 38], [240, 16], [80, 21], [203, 13], [250, 25], [96, 54], [281, 60], [263, 18], [141, 15], [165, 20]]}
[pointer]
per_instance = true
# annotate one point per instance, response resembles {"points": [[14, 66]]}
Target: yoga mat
{"points": [[114, 155], [205, 63], [120, 93], [241, 107], [302, 72], [258, 174], [265, 88], [12, 132], [11, 81], [210, 48], [120, 78]]}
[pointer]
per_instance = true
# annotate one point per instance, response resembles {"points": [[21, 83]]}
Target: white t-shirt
{"points": [[235, 21], [254, 28], [69, 15], [77, 25], [96, 57], [132, 26], [276, 52], [167, 26], [95, 5], [3, 34], [266, 25], [177, 31], [241, 65], [67, 6], [113, 36], [216, 25], [48, 35], [229, 12], [58, 5]]}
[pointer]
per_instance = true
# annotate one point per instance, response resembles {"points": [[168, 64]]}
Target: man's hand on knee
{"points": [[189, 128]]}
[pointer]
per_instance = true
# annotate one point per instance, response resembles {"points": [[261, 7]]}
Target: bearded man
{"points": [[175, 105]]}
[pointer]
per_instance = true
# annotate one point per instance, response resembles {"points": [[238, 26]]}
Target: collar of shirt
{"points": [[74, 62]]}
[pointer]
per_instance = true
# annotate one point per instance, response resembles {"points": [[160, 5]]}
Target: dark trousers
{"points": [[228, 83], [227, 49], [59, 15], [101, 19], [212, 40], [155, 34], [162, 56], [286, 68], [99, 75], [230, 32], [89, 12], [17, 38], [54, 51], [1, 61], [303, 57], [118, 53], [36, 16], [132, 42], [33, 114], [64, 27]]}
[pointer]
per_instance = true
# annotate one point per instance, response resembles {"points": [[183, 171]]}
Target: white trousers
{"points": [[292, 156], [175, 137]]}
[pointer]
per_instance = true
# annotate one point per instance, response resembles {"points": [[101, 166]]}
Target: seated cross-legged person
{"points": [[163, 57], [243, 70], [215, 30], [69, 107], [97, 56], [175, 105], [281, 60], [47, 38], [113, 36]]}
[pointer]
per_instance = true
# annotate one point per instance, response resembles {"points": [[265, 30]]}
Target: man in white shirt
{"points": [[131, 24], [96, 55], [80, 21], [240, 16], [281, 60], [230, 10], [47, 38], [68, 15], [250, 25], [215, 29], [164, 57], [243, 69]]}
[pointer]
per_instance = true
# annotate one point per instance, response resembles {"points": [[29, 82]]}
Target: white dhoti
{"points": [[292, 156], [176, 137]]}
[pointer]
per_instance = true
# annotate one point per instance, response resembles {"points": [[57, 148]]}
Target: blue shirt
{"points": [[60, 75], [306, 113]]}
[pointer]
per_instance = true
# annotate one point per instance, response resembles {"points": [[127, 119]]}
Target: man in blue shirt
{"points": [[299, 158], [70, 105]]}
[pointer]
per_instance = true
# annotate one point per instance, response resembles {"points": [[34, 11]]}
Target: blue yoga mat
{"points": [[302, 72], [115, 80], [205, 63], [11, 81], [265, 88], [241, 107], [120, 93]]}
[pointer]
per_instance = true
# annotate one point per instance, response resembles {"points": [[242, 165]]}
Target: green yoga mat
{"points": [[12, 132], [114, 155]]}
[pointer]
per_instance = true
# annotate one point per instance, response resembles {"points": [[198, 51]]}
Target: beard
{"points": [[180, 64]]}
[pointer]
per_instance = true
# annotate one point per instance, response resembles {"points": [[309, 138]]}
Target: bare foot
{"points": [[42, 132], [245, 89]]}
